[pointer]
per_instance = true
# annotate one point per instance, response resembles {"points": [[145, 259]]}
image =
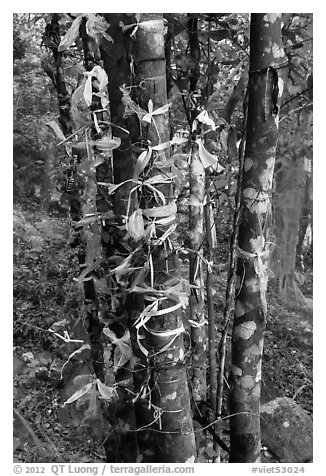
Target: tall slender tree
{"points": [[117, 59], [196, 228], [163, 331], [267, 57]]}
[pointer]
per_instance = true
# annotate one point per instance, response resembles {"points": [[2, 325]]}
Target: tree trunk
{"points": [[305, 222], [55, 71], [92, 232], [196, 233], [288, 205], [163, 332], [265, 88], [117, 59], [52, 38], [196, 276], [212, 348]]}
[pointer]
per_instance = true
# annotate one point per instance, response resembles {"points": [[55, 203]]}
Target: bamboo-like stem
{"points": [[229, 294], [196, 229], [168, 379], [210, 305]]}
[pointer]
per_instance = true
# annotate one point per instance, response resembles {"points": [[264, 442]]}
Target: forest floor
{"points": [[45, 293]]}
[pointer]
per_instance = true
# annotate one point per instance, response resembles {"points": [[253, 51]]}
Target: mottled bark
{"points": [[196, 275], [164, 338], [265, 88], [196, 233]]}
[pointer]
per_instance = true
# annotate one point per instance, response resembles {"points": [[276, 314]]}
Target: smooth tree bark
{"points": [[163, 332], [265, 88]]}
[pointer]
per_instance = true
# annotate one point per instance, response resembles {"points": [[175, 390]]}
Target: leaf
{"points": [[162, 146], [56, 129], [110, 334], [151, 113], [159, 178], [123, 268], [78, 106], [80, 145], [157, 193], [130, 106], [96, 27], [79, 393], [216, 35], [204, 119], [159, 212], [208, 159], [82, 379], [106, 392], [57, 325], [71, 34], [142, 161], [107, 143], [122, 354], [88, 91], [93, 407], [78, 351], [87, 221], [135, 225]]}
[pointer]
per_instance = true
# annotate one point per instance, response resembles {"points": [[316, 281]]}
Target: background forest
{"points": [[162, 181]]}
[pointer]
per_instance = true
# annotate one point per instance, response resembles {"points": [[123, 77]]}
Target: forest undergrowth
{"points": [[45, 293]]}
